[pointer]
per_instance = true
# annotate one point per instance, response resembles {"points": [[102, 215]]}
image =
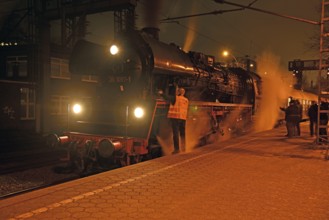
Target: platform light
{"points": [[225, 53], [114, 49], [139, 112]]}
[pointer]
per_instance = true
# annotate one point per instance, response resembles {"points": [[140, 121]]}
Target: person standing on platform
{"points": [[177, 114], [292, 118], [313, 117]]}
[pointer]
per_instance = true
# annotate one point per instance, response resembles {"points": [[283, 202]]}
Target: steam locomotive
{"points": [[126, 123]]}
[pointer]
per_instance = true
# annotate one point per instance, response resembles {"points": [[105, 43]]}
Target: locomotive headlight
{"points": [[114, 49], [77, 108], [138, 112]]}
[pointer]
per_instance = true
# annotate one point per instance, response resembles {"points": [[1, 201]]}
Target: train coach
{"points": [[126, 122]]}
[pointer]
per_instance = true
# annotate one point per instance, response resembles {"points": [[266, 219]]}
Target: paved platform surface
{"points": [[258, 176]]}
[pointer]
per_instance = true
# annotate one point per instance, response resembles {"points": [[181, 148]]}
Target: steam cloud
{"points": [[276, 88]]}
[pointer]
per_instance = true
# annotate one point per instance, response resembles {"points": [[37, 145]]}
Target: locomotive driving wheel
{"points": [[76, 160], [82, 158], [52, 141]]}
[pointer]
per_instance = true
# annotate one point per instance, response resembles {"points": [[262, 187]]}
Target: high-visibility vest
{"points": [[179, 109]]}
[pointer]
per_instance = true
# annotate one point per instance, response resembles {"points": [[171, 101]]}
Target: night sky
{"points": [[244, 32]]}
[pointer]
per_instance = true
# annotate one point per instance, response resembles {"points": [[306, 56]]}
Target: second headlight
{"points": [[139, 112]]}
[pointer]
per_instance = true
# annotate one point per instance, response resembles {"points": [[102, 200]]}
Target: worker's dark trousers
{"points": [[291, 128], [178, 129], [313, 127]]}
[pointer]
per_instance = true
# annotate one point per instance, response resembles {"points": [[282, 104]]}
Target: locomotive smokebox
{"points": [[153, 31]]}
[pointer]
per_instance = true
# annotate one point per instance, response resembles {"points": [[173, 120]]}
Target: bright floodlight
{"points": [[225, 53], [114, 49], [77, 108], [139, 112]]}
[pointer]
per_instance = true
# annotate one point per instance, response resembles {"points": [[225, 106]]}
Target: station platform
{"points": [[258, 176]]}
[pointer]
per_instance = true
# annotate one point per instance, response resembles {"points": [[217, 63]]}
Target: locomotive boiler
{"points": [[126, 117]]}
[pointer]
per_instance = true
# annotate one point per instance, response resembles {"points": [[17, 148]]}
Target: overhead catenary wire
{"points": [[269, 12], [200, 14], [167, 20], [216, 12]]}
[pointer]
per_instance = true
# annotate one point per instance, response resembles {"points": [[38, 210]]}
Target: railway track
{"points": [[23, 160], [50, 178], [17, 192], [22, 172]]}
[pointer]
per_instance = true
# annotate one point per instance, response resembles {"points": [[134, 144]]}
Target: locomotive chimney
{"points": [[150, 16], [153, 31]]}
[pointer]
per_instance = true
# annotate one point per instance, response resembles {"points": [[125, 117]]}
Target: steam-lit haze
{"points": [[276, 88], [195, 128]]}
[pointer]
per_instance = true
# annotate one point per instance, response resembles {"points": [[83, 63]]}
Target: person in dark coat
{"points": [[313, 116], [292, 118]]}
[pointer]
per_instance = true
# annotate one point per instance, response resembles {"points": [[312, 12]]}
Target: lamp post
{"points": [[127, 116], [226, 54], [68, 116], [74, 109]]}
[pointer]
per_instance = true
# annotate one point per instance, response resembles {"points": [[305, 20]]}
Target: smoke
{"points": [[164, 136], [195, 128], [151, 12], [276, 88], [198, 126], [190, 36], [198, 123]]}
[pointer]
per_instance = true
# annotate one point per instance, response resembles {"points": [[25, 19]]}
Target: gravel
{"points": [[33, 178]]}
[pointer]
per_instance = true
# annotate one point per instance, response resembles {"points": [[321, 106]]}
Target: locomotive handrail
{"points": [[102, 123], [113, 137], [199, 103], [219, 104]]}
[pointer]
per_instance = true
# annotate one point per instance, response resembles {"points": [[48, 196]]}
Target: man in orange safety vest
{"points": [[178, 114]]}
